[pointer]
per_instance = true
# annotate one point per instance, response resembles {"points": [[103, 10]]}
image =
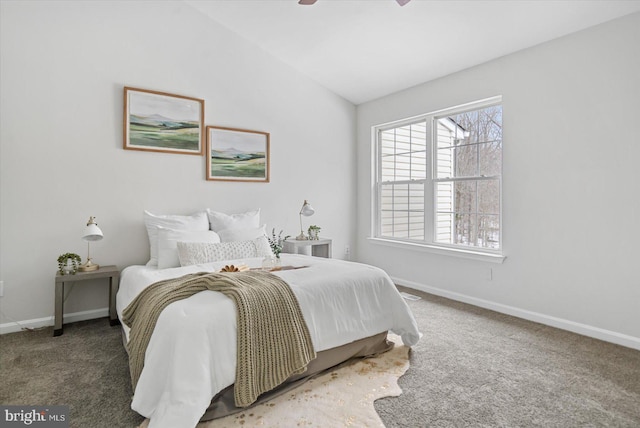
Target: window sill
{"points": [[445, 251]]}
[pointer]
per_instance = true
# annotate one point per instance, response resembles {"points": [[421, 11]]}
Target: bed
{"points": [[190, 361]]}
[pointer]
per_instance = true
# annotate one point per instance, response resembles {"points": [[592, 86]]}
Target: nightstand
{"points": [[319, 247], [110, 272]]}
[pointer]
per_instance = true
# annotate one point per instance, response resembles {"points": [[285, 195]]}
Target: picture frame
{"points": [[163, 122], [237, 154]]}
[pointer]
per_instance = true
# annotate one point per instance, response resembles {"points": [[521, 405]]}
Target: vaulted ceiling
{"points": [[365, 49]]}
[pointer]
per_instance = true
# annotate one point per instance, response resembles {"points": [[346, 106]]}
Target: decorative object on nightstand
{"points": [[314, 232], [307, 211], [68, 263], [91, 233]]}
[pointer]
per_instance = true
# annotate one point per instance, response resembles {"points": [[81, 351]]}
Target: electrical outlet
{"points": [[1, 288], [347, 252]]}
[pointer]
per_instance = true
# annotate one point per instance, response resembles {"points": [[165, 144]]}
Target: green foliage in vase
{"points": [[276, 242]]}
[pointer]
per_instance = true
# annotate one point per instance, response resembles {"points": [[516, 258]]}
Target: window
{"points": [[438, 178]]}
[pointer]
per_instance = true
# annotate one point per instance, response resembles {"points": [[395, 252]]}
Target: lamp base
{"points": [[301, 237], [88, 266]]}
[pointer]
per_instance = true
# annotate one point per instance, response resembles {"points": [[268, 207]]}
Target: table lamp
{"points": [[91, 233], [306, 210]]}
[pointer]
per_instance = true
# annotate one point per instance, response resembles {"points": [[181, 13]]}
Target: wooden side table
{"points": [[319, 247], [110, 272]]}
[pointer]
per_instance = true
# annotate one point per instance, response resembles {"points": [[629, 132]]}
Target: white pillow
{"points": [[196, 221], [220, 221], [244, 234], [168, 243], [194, 253]]}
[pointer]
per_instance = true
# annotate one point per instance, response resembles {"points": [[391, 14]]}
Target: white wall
{"points": [[571, 183], [63, 67]]}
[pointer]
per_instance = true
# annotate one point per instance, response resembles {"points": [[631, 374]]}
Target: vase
{"points": [[271, 263], [67, 268], [268, 262]]}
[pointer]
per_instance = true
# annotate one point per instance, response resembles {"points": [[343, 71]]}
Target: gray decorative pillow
{"points": [[193, 253]]}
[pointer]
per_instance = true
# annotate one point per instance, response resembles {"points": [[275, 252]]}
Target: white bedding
{"points": [[192, 353]]}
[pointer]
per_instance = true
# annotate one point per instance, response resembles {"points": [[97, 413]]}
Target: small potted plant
{"points": [[314, 231], [68, 263]]}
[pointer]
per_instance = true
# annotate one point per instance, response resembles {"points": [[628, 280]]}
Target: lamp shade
{"points": [[92, 232], [307, 210]]}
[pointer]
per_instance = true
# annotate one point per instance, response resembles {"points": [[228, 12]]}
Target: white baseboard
{"points": [[583, 329], [12, 327]]}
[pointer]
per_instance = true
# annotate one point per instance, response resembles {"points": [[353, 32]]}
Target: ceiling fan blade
{"points": [[310, 2]]}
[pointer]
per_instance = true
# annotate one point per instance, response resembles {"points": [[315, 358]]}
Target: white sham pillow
{"points": [[198, 221], [194, 253], [168, 243], [220, 221], [244, 234]]}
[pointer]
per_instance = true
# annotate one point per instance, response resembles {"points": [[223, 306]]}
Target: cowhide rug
{"points": [[340, 397]]}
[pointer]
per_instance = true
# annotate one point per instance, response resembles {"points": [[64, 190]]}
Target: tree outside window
{"points": [[439, 178]]}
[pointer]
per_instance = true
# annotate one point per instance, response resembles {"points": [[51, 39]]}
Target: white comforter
{"points": [[192, 352]]}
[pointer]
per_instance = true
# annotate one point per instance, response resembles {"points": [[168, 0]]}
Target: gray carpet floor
{"points": [[472, 368], [479, 368]]}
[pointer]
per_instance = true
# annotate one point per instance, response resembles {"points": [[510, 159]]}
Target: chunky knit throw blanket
{"points": [[273, 338]]}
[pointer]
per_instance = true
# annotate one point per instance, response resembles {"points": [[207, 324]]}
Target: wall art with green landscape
{"points": [[237, 154], [158, 121]]}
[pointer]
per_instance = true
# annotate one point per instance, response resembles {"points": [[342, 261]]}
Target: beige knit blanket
{"points": [[273, 339]]}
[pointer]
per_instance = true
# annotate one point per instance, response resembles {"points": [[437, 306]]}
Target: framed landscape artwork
{"points": [[237, 155], [162, 122]]}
